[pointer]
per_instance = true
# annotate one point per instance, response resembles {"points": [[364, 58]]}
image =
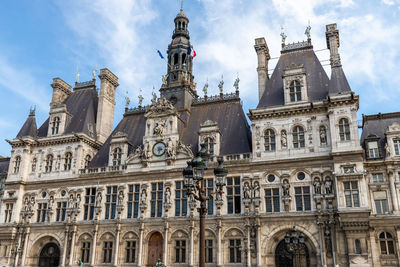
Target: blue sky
{"points": [[41, 40]]}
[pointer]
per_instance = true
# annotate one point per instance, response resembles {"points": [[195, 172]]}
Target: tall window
{"points": [[357, 244], [373, 151], [49, 163], [41, 212], [55, 125], [90, 201], [209, 250], [233, 195], [8, 212], [34, 163], [351, 194], [67, 161], [377, 177], [234, 251], [298, 137], [381, 206], [303, 199], [396, 143], [111, 202], [209, 188], [61, 211], [133, 201], [88, 159], [210, 142], [107, 251], [180, 251], [295, 91], [344, 129], [17, 164], [85, 252], [156, 199], [386, 242], [272, 200], [117, 154], [130, 251], [269, 140], [180, 199]]}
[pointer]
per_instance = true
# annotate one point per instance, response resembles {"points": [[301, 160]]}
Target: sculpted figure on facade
{"points": [[159, 128], [99, 198], [143, 197], [322, 135], [246, 191], [171, 152], [317, 186], [387, 149], [283, 139], [167, 196], [256, 190], [120, 198], [328, 186], [185, 149], [286, 187], [147, 150], [71, 201]]}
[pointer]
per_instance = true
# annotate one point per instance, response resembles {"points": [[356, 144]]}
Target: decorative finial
{"points": [[308, 31], [236, 84], [127, 100], [32, 111], [77, 75], [181, 5], [140, 98], [221, 85], [154, 95], [205, 88], [94, 74], [283, 35]]}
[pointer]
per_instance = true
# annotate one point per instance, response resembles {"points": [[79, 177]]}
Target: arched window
{"points": [[49, 163], [386, 242], [209, 141], [88, 159], [175, 60], [357, 244], [269, 140], [34, 163], [295, 91], [344, 129], [67, 161], [298, 137], [117, 154], [183, 59], [17, 164], [55, 125]]}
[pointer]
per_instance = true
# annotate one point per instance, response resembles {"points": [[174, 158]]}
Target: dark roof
{"points": [[82, 105], [4, 162], [232, 123], [377, 125], [29, 128], [338, 82], [317, 80]]}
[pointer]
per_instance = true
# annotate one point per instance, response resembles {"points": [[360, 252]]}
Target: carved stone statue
{"points": [[221, 86], [77, 201], [185, 149], [99, 198], [322, 135], [164, 79], [147, 150], [120, 197], [317, 186], [71, 201], [256, 190], [283, 138], [94, 74], [283, 35], [246, 191], [205, 88], [236, 84], [138, 151], [159, 128], [143, 197], [50, 202], [167, 195], [328, 186], [170, 149], [387, 149], [153, 99], [286, 187]]}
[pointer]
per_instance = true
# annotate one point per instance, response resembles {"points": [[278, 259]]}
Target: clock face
{"points": [[159, 149]]}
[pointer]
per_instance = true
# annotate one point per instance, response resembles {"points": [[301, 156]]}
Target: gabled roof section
{"points": [[300, 54], [29, 128], [4, 163], [338, 83]]}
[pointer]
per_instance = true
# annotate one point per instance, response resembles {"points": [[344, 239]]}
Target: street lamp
{"points": [[294, 241], [193, 176]]}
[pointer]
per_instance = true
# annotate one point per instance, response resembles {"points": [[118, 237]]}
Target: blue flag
{"points": [[159, 53], [189, 51]]}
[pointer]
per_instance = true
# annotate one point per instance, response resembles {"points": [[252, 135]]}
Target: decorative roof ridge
{"points": [[136, 110], [216, 98], [379, 116], [299, 46], [91, 84]]}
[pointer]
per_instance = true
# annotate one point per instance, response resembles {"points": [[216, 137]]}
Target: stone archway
{"points": [[49, 255], [286, 258], [155, 249]]}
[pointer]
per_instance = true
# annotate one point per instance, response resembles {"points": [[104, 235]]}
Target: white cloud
{"points": [[388, 2]]}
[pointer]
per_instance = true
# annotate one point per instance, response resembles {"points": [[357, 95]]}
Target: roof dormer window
{"points": [[295, 91], [396, 143], [373, 151], [55, 125]]}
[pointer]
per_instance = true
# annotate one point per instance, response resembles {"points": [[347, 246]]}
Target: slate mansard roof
{"points": [[232, 123], [29, 128], [4, 163]]}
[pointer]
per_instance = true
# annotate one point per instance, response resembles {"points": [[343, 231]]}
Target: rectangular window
{"points": [[111, 202], [90, 200], [8, 212], [156, 199], [209, 188], [130, 251], [133, 201], [180, 199], [377, 177], [85, 252], [396, 143], [180, 251], [373, 151], [381, 206], [61, 211], [303, 199], [351, 194], [233, 195], [234, 251], [107, 251], [41, 212], [209, 250], [272, 202]]}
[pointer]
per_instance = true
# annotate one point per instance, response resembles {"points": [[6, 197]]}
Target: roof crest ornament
{"points": [[284, 36], [140, 97], [77, 75], [205, 88], [308, 31], [94, 73], [236, 84], [221, 85], [32, 110], [127, 100], [182, 5]]}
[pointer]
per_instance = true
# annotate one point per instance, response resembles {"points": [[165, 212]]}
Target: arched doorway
{"points": [[297, 258], [49, 256], [155, 249]]}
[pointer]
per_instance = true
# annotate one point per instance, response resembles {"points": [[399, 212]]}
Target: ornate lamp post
{"points": [[194, 182], [293, 240]]}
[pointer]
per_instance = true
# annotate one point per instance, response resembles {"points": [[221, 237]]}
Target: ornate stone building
{"points": [[79, 191]]}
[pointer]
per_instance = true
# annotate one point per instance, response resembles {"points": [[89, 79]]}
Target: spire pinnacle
{"points": [[32, 111], [182, 5], [140, 97]]}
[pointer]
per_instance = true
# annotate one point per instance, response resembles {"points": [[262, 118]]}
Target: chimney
{"points": [[332, 42], [61, 91], [262, 69]]}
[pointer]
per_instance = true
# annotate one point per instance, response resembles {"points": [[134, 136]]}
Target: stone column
{"points": [[248, 256], [259, 245], [374, 250], [94, 245], [191, 245], [28, 231], [71, 252], [140, 248], [165, 256], [396, 240], [116, 252], [393, 193], [322, 243], [219, 244], [64, 253]]}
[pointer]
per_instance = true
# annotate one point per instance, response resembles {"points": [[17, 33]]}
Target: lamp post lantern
{"points": [[293, 240], [194, 183]]}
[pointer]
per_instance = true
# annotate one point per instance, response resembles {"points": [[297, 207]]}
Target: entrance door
{"points": [[49, 256], [286, 258], [155, 250]]}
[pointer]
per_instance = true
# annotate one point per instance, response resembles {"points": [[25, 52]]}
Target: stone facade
{"points": [[76, 191]]}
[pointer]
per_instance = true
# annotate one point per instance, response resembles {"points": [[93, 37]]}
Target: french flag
{"points": [[191, 52]]}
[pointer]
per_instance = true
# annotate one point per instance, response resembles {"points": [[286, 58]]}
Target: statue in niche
{"points": [[143, 197], [283, 138], [159, 128], [256, 190], [77, 201], [170, 149], [322, 135], [50, 202], [147, 150], [328, 186], [246, 191], [167, 195], [317, 186], [27, 206], [120, 198], [286, 187], [387, 149], [99, 198], [71, 201]]}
